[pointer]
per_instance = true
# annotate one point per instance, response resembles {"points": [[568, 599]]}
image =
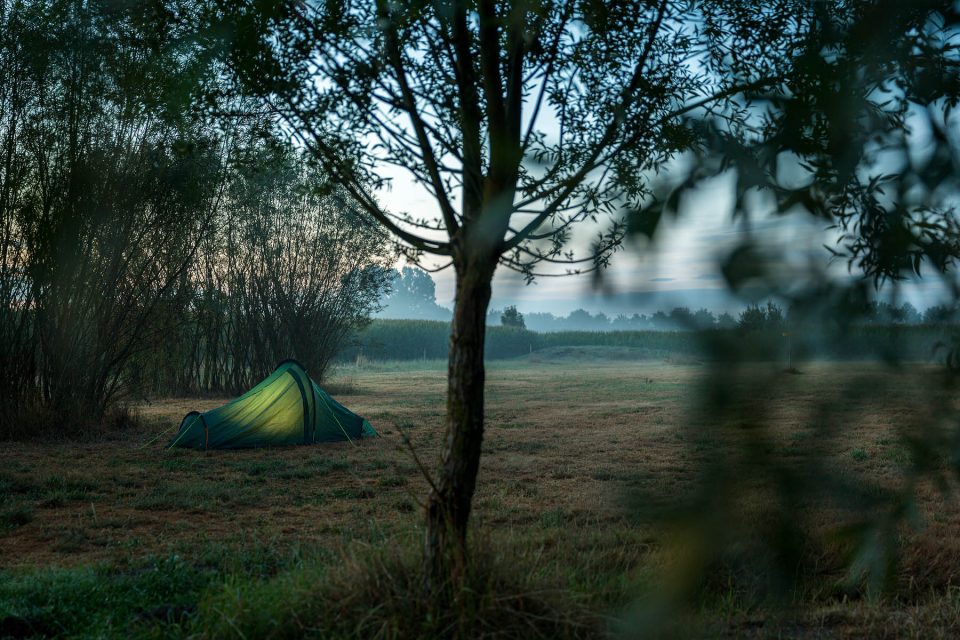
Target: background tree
{"points": [[512, 318], [622, 322], [149, 241], [660, 321], [704, 319], [291, 270], [681, 318], [542, 321], [413, 294], [940, 314], [726, 321], [583, 320], [762, 318]]}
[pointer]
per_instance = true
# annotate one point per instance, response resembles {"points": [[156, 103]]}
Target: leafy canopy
{"points": [[521, 119]]}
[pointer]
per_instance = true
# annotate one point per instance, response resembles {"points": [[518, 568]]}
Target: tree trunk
{"points": [[448, 509]]}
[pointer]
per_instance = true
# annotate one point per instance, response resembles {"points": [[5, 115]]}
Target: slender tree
{"points": [[524, 120]]}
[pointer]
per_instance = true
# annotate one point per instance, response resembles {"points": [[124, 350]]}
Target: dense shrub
{"points": [[149, 247]]}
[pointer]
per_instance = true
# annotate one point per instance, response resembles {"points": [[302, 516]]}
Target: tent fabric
{"points": [[285, 408]]}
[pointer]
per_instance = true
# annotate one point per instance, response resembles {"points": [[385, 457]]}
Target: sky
{"points": [[680, 269]]}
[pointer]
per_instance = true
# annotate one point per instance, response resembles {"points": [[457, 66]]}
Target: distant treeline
{"points": [[413, 296], [428, 339], [687, 319], [425, 339]]}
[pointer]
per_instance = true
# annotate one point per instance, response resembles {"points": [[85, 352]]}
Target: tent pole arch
{"points": [[309, 419]]}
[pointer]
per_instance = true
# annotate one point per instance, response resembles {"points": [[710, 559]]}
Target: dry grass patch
{"points": [[567, 451]]}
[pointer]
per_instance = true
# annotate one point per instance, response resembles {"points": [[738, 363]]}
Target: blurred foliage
{"points": [[859, 135]]}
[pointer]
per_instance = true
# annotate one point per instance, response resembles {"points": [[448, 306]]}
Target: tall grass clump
{"points": [[380, 595]]}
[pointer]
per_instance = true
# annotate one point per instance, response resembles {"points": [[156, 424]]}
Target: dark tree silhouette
{"points": [[940, 314], [512, 318], [758, 318], [726, 321], [681, 317], [704, 319], [414, 295]]}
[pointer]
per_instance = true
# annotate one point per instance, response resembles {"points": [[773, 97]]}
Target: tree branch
{"points": [[429, 158], [607, 138]]}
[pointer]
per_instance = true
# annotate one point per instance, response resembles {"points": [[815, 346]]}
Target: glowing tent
{"points": [[285, 408]]}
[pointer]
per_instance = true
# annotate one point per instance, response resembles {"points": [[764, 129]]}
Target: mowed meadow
{"points": [[115, 536]]}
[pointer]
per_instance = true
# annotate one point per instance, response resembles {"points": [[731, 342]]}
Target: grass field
{"points": [[118, 537]]}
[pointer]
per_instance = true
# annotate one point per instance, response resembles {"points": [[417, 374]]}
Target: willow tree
{"points": [[524, 120], [106, 191]]}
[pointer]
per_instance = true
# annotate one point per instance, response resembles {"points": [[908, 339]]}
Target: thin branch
{"points": [[429, 157], [552, 57], [609, 135]]}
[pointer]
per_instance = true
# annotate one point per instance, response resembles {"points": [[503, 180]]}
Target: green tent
{"points": [[286, 408]]}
